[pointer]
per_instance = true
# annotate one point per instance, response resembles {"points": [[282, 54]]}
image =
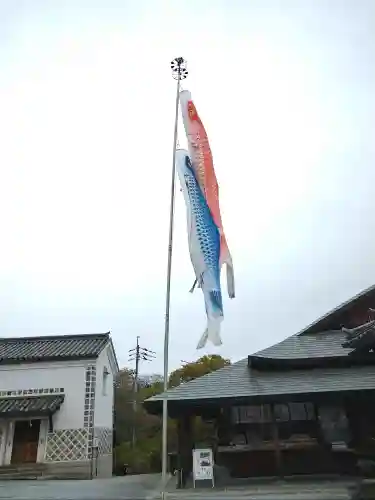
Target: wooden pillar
{"points": [[185, 448], [276, 442], [179, 451]]}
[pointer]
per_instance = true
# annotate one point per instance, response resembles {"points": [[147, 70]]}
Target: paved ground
{"points": [[118, 488], [279, 490], [147, 487]]}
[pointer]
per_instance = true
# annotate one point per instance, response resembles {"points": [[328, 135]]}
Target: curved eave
{"points": [[353, 358], [208, 406], [181, 406], [262, 363], [202, 406]]}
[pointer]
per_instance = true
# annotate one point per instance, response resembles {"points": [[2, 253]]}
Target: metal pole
{"points": [[179, 72]]}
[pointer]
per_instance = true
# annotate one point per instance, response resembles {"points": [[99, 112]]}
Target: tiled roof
{"points": [[318, 345], [241, 381], [51, 348], [237, 380], [37, 405]]}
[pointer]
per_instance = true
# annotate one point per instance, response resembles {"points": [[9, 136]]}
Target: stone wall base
{"points": [[83, 469], [104, 466], [67, 470]]}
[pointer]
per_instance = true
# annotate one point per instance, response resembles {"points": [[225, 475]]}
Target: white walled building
{"points": [[56, 404]]}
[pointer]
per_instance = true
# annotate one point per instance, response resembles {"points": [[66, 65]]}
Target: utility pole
{"points": [[137, 354]]}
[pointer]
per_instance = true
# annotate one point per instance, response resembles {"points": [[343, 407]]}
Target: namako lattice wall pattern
{"points": [[65, 445], [104, 436]]}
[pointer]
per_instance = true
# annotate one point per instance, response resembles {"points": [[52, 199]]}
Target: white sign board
{"points": [[203, 465]]}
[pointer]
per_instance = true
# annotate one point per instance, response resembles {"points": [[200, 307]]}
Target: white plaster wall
{"points": [[68, 375], [9, 443], [3, 441], [42, 439], [103, 416]]}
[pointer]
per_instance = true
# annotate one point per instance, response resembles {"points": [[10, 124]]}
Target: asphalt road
{"points": [[277, 496], [147, 487], [117, 488], [268, 491], [261, 495]]}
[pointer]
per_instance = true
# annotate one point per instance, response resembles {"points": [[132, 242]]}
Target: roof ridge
{"points": [[337, 309], [52, 348], [69, 336]]}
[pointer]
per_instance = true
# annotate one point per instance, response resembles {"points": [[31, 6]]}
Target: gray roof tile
{"points": [[318, 345], [40, 405], [237, 380], [29, 349]]}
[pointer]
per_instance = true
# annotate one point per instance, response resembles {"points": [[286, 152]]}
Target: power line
{"points": [[138, 354]]}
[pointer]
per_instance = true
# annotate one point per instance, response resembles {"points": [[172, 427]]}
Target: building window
{"points": [[281, 413], [105, 381], [251, 414], [334, 424]]}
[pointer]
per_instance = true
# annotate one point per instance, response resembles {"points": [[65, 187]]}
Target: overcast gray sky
{"points": [[286, 92]]}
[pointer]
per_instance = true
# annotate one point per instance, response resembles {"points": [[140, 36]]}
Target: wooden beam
{"points": [[185, 448], [276, 441], [180, 439], [50, 423]]}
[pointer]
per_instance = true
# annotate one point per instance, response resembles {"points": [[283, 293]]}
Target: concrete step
{"points": [[18, 477], [22, 471]]}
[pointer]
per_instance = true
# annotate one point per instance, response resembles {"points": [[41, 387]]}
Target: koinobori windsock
{"points": [[203, 165], [204, 247]]}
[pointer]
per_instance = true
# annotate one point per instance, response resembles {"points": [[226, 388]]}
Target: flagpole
{"points": [[179, 72]]}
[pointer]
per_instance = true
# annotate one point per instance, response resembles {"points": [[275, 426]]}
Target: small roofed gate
{"points": [[21, 417]]}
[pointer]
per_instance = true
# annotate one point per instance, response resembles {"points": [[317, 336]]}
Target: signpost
{"points": [[203, 466]]}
